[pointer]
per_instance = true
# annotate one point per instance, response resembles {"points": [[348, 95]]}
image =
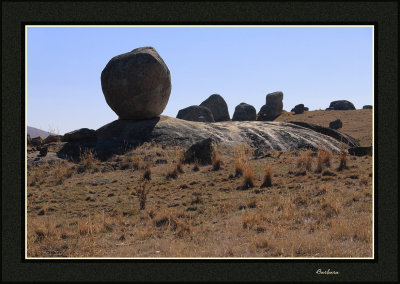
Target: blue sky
{"points": [[310, 65]]}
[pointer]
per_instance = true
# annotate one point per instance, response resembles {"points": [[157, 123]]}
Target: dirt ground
{"points": [[147, 204]]}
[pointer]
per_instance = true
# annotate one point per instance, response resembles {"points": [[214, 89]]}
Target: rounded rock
{"points": [[342, 105], [218, 107], [244, 112], [196, 113], [137, 84]]}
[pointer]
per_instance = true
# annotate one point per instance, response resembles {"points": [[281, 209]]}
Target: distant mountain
{"points": [[35, 132]]}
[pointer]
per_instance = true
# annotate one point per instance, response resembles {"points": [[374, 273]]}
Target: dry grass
{"points": [[267, 177], [248, 177], [141, 192], [88, 161], [216, 160], [343, 159], [147, 172], [119, 213]]}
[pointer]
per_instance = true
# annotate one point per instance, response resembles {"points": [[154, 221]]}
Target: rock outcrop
{"points": [[367, 107], [137, 84], [341, 105], [336, 124], [244, 112], [272, 108], [196, 113], [218, 107], [341, 137], [119, 135], [52, 138], [83, 134]]}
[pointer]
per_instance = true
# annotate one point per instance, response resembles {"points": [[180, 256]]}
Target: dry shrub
{"points": [[248, 177], [252, 222], [88, 161], [172, 173], [343, 159], [147, 172], [179, 167], [141, 192], [130, 162], [323, 159], [267, 177], [242, 154], [62, 171], [216, 160], [239, 167]]}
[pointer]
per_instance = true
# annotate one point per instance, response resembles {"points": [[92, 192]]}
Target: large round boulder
{"points": [[196, 113], [218, 107], [137, 84], [272, 108], [244, 112], [341, 105]]}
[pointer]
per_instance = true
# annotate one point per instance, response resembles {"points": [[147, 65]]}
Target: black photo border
{"points": [[382, 14]]}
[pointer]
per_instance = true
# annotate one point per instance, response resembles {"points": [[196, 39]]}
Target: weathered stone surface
{"points": [[298, 109], [218, 107], [120, 135], [306, 109], [28, 139], [202, 152], [341, 105], [367, 107], [272, 108], [341, 137], [244, 112], [83, 134], [330, 108], [137, 84], [360, 151], [196, 113], [52, 138], [336, 124]]}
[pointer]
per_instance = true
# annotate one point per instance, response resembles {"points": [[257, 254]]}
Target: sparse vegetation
{"points": [[248, 177], [147, 172], [75, 209], [267, 177], [141, 193], [343, 159]]}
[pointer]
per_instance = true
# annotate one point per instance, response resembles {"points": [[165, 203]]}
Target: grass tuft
{"points": [[267, 177]]}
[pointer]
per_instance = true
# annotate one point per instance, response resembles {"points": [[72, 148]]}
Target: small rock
{"points": [[202, 151], [336, 124], [298, 109], [367, 107], [360, 151]]}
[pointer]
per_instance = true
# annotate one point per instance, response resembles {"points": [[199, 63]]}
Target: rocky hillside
{"points": [[35, 132]]}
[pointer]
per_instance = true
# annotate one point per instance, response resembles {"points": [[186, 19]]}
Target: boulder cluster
{"points": [[215, 109]]}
